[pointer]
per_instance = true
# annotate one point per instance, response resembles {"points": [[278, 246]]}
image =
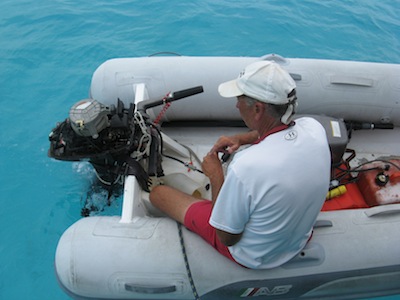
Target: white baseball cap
{"points": [[264, 81]]}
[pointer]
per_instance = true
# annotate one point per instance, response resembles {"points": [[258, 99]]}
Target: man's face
{"points": [[246, 111]]}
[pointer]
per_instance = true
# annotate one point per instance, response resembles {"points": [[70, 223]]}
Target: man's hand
{"points": [[212, 168], [229, 144], [226, 144]]}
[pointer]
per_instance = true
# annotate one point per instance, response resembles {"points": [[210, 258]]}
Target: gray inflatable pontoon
{"points": [[141, 254]]}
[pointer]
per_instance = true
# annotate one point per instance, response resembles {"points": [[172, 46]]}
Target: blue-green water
{"points": [[50, 48]]}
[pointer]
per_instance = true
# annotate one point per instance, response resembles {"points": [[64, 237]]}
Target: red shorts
{"points": [[196, 220]]}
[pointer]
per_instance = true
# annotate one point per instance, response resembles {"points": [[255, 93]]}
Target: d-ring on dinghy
{"points": [[130, 135]]}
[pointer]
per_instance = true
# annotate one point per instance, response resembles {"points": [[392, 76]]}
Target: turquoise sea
{"points": [[49, 50]]}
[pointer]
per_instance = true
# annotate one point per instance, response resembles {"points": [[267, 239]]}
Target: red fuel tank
{"points": [[379, 182]]}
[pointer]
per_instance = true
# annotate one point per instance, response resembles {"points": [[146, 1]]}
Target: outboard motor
{"points": [[105, 136], [115, 140]]}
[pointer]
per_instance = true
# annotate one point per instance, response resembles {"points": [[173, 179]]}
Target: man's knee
{"points": [[156, 193]]}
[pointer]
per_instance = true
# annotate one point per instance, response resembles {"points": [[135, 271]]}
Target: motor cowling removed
{"points": [[108, 137]]}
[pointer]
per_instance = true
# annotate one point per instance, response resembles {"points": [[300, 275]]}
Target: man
{"points": [[261, 215]]}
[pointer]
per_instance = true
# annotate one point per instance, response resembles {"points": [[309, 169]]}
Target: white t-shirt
{"points": [[273, 192]]}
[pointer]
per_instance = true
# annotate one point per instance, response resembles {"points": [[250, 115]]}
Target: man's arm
{"points": [[212, 168], [228, 239]]}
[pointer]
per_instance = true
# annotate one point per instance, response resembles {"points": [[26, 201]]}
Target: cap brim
{"points": [[229, 89]]}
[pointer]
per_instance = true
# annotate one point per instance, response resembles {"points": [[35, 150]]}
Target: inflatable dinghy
{"points": [[133, 131]]}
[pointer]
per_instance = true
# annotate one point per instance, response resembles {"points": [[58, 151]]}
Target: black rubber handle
{"points": [[143, 106], [186, 93], [149, 289]]}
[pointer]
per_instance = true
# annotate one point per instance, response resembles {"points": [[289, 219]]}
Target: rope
{"points": [[185, 258], [164, 110], [144, 140]]}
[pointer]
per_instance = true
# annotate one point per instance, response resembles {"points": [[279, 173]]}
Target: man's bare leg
{"points": [[172, 201]]}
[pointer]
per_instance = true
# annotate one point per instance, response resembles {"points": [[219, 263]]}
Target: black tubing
{"points": [[383, 126], [359, 126]]}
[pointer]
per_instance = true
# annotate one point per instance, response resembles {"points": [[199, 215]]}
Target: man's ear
{"points": [[259, 107]]}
